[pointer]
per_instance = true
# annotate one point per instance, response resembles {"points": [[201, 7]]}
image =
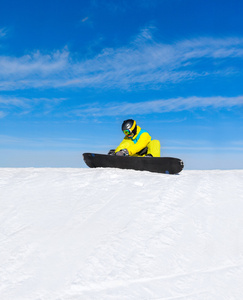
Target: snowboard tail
{"points": [[167, 165]]}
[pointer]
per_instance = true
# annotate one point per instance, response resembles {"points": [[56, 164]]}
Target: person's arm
{"points": [[143, 141], [125, 144]]}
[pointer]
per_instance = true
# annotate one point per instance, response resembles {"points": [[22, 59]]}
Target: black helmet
{"points": [[129, 127]]}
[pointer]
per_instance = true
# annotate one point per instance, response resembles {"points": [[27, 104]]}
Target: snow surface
{"points": [[71, 234]]}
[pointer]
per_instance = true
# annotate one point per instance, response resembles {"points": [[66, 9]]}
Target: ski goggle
{"points": [[127, 132]]}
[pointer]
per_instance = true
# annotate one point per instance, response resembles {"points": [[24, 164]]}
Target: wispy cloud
{"points": [[159, 106], [84, 19], [2, 114], [40, 142], [36, 64], [26, 105], [3, 32], [7, 101], [143, 63], [48, 105]]}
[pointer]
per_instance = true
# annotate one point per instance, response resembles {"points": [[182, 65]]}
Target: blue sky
{"points": [[72, 71]]}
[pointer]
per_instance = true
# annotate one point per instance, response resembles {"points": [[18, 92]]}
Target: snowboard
{"points": [[167, 165]]}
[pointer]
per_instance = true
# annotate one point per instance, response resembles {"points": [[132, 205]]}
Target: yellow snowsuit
{"points": [[141, 140]]}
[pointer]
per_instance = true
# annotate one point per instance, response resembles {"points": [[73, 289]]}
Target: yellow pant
{"points": [[153, 147]]}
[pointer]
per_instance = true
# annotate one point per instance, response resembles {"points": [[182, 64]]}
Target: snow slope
{"points": [[71, 234]]}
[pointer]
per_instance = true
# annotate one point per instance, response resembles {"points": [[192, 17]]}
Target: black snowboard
{"points": [[167, 165]]}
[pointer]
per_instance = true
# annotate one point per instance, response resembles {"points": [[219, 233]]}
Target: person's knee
{"points": [[154, 148]]}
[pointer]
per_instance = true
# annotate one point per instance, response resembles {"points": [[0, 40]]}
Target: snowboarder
{"points": [[137, 142]]}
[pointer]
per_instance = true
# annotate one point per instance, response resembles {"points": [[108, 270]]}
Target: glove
{"points": [[112, 152], [123, 152]]}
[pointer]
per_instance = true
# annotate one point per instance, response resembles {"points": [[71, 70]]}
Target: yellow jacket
{"points": [[135, 144]]}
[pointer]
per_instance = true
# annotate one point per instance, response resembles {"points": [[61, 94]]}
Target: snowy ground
{"points": [[72, 234]]}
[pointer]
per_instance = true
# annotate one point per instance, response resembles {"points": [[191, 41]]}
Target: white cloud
{"points": [[46, 105], [142, 63], [37, 142], [36, 64], [3, 32], [26, 105], [84, 19], [159, 106], [2, 114], [8, 101]]}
